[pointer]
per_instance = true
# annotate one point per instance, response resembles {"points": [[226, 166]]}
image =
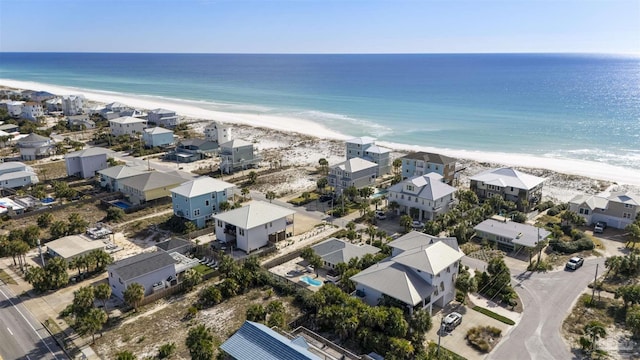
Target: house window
{"points": [[196, 212], [628, 206], [206, 203], [220, 223], [241, 232], [448, 269], [626, 215]]}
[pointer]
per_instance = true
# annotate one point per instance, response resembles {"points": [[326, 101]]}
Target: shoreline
{"points": [[196, 110]]}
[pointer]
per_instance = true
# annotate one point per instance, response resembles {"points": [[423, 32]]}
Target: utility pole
{"points": [[40, 250], [595, 283], [439, 335]]}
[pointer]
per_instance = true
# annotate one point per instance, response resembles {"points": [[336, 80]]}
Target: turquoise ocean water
{"points": [[572, 106]]}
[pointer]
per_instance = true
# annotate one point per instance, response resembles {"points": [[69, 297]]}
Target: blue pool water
{"points": [[379, 193], [310, 281], [121, 204], [47, 200]]}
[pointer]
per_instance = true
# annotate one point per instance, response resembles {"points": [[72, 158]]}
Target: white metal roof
{"points": [[200, 186], [256, 213], [508, 177]]}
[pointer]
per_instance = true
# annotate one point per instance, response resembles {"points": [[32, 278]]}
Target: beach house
{"points": [[149, 186], [153, 270], [197, 200], [53, 105], [80, 122], [523, 189], [510, 235], [365, 148], [353, 172], [163, 117], [424, 197], [617, 209], [110, 177], [421, 273], [254, 225], [422, 163], [255, 341], [40, 96], [190, 150], [237, 155], [334, 251], [86, 163], [32, 110], [157, 136], [127, 125], [15, 174], [218, 133], [73, 246], [14, 108], [72, 104], [34, 146]]}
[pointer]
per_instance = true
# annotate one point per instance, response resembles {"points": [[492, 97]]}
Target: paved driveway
{"points": [[547, 299]]}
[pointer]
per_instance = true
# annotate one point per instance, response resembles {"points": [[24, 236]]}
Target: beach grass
{"points": [[493, 315]]}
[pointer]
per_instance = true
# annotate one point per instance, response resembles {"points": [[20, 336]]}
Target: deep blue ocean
{"points": [[572, 106]]}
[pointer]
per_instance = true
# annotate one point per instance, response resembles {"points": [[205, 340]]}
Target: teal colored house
{"points": [[197, 200], [157, 136]]}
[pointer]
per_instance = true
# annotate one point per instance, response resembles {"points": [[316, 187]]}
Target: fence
{"points": [[161, 293], [282, 259]]}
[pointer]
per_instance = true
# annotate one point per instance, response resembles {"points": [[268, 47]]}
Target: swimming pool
{"points": [[48, 200], [379, 193], [121, 204], [310, 281]]}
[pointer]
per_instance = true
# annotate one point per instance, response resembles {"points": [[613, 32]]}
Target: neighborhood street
{"points": [[21, 336], [547, 299]]}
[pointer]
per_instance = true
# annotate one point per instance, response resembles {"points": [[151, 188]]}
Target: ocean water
{"points": [[551, 105]]}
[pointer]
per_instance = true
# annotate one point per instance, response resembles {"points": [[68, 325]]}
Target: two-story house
{"points": [[353, 172], [254, 225], [365, 148], [15, 174], [422, 163], [617, 209], [111, 177], [127, 125], [237, 155], [510, 235], [72, 104], [198, 199], [86, 163], [423, 197], [524, 190], [421, 273], [163, 117], [157, 136], [152, 270], [149, 186], [34, 146], [218, 133], [32, 110], [190, 150]]}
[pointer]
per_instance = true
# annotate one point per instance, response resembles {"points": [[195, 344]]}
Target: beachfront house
{"points": [[34, 146], [110, 177], [15, 174], [157, 136], [14, 108], [86, 163], [256, 341], [80, 122], [197, 200], [32, 110], [237, 155], [510, 235], [422, 163], [40, 96], [73, 246], [190, 150], [218, 133], [53, 105], [417, 276], [617, 209], [365, 148], [254, 225], [524, 190], [353, 172], [424, 197], [72, 104], [163, 117], [334, 251], [149, 186], [153, 270], [127, 125]]}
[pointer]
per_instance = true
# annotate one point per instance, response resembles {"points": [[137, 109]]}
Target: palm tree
{"points": [[92, 323], [324, 166], [103, 293], [613, 264], [393, 206], [596, 330], [406, 222], [397, 166], [191, 278], [270, 195], [371, 231], [200, 343], [322, 184], [244, 192], [133, 295]]}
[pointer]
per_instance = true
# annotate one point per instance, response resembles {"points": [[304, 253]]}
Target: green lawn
{"points": [[202, 269], [491, 314], [6, 278]]}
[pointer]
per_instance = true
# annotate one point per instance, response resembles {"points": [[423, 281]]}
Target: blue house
{"points": [[157, 136], [256, 341], [198, 199]]}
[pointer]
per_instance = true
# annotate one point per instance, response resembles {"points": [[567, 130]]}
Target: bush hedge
{"points": [[493, 315], [570, 247]]}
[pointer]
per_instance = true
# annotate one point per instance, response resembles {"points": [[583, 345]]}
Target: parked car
{"points": [[380, 215], [417, 224], [325, 197], [574, 263], [451, 321], [599, 227]]}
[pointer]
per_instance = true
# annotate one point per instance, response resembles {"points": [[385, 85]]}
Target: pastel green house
{"points": [[197, 200]]}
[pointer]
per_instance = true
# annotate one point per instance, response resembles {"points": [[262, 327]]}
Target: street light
{"points": [[439, 335]]}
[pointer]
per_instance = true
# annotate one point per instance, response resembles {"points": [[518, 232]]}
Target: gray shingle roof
{"points": [[255, 341], [89, 152], [121, 171], [431, 259], [200, 186], [141, 264], [430, 157], [415, 239], [355, 164], [335, 251], [521, 234], [152, 180]]}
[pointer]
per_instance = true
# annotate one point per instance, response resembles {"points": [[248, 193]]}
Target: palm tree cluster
{"points": [[52, 276], [95, 261], [385, 330], [87, 319], [272, 315], [76, 225], [626, 266]]}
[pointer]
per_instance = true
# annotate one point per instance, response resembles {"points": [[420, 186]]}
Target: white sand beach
{"points": [[302, 143]]}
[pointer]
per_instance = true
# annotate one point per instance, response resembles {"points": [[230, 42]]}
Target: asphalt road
{"points": [[21, 336], [547, 299]]}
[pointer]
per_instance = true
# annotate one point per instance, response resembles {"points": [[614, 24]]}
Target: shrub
{"points": [[544, 205], [570, 247]]}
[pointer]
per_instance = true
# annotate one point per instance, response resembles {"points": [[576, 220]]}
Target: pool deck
{"points": [[299, 265]]}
